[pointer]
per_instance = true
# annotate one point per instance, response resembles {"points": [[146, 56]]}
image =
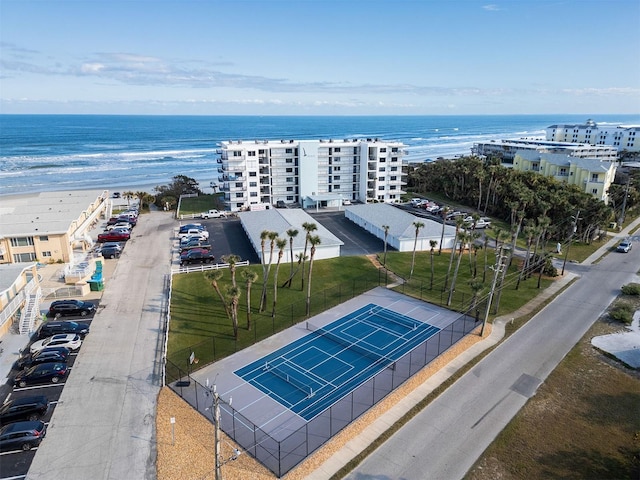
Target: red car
{"points": [[113, 237]]}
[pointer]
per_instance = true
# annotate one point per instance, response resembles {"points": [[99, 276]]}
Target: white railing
{"points": [[31, 312], [204, 267], [16, 302]]}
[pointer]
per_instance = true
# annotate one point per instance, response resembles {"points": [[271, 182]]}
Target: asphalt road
{"points": [[447, 437], [104, 424]]}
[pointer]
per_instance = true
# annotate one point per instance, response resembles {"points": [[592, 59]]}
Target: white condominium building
{"points": [[311, 173], [506, 150], [622, 137]]}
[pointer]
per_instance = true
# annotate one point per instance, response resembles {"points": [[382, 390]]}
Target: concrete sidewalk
{"points": [[356, 445]]}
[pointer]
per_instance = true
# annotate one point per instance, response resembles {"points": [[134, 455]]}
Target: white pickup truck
{"points": [[213, 214]]}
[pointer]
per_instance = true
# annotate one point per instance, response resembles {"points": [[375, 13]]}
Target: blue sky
{"points": [[320, 57]]}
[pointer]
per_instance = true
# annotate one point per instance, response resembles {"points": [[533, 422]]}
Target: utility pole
{"points": [[573, 232], [496, 272], [215, 412]]}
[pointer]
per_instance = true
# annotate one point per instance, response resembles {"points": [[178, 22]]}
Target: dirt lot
{"points": [[583, 423]]}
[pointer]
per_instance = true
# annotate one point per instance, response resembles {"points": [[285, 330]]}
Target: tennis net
{"points": [[285, 374], [365, 352]]}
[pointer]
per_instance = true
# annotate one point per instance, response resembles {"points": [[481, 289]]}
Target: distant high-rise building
{"points": [[622, 137], [310, 172]]}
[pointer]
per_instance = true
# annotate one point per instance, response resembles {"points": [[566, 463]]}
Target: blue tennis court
{"points": [[312, 373]]}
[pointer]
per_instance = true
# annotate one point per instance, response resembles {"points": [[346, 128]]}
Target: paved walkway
{"points": [[355, 446]]}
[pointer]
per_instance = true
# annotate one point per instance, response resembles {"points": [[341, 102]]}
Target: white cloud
{"points": [[492, 7]]}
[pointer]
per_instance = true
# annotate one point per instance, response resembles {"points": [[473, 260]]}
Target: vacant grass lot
{"points": [[583, 423]]}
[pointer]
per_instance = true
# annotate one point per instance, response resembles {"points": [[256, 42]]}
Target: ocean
{"points": [[85, 152]]}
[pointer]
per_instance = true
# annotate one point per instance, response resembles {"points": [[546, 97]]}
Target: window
{"points": [[381, 187], [336, 178], [24, 257], [289, 170], [237, 153], [563, 172], [336, 169], [239, 195], [337, 149], [251, 153], [21, 242], [381, 169], [383, 150], [594, 177], [239, 185], [336, 187], [289, 160], [46, 253], [381, 179], [253, 184], [261, 152], [393, 178], [594, 191], [288, 150], [289, 189], [290, 198], [394, 169], [44, 238], [382, 159], [289, 180], [253, 174], [253, 194]]}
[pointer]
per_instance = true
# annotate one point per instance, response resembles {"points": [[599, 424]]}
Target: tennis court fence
{"points": [[282, 454]]}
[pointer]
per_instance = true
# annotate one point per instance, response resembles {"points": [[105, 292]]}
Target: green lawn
{"points": [[201, 203], [200, 324]]}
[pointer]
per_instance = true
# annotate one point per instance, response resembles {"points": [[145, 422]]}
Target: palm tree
{"points": [[249, 277], [128, 195], [463, 238], [234, 295], [418, 226], [140, 195], [386, 233], [445, 211], [313, 240], [281, 244], [432, 244], [291, 233], [263, 297], [213, 276], [459, 225], [476, 287], [308, 227], [529, 233], [231, 260]]}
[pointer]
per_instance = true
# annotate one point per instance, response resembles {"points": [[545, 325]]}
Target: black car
{"points": [[45, 372], [110, 252], [196, 256], [26, 408], [71, 307], [22, 435], [49, 329], [46, 355]]}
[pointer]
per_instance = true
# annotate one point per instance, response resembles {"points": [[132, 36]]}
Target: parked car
{"points": [[197, 237], [24, 408], [126, 225], [189, 226], [196, 256], [48, 329], [113, 236], [110, 252], [195, 244], [22, 435], [482, 222], [193, 231], [203, 250], [43, 373], [73, 307], [72, 341], [46, 355], [213, 214], [624, 246]]}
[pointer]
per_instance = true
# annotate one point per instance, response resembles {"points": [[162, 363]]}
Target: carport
{"points": [[402, 232], [322, 201]]}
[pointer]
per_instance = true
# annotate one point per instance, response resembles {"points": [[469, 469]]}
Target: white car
{"points": [[483, 222], [71, 341], [196, 236], [193, 231]]}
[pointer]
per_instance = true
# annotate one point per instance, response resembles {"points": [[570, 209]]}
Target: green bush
{"points": [[622, 312], [631, 289]]}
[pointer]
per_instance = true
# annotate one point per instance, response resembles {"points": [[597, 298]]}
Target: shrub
{"points": [[622, 312], [631, 289]]}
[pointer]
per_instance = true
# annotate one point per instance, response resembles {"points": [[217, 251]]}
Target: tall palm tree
{"points": [[529, 233], [476, 287], [459, 225], [281, 244], [291, 233], [432, 244], [234, 299], [140, 195], [232, 260], [272, 240], [313, 241], [213, 276], [263, 297], [308, 228], [249, 277], [445, 211], [386, 234], [463, 238], [418, 225], [128, 195]]}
